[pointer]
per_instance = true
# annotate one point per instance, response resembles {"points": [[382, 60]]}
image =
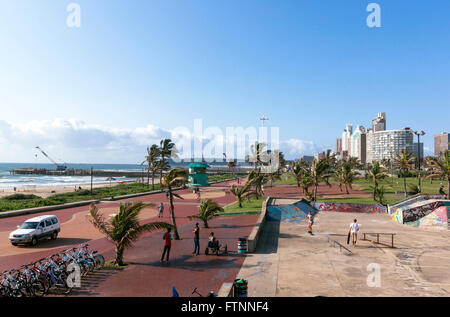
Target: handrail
{"points": [[378, 238]]}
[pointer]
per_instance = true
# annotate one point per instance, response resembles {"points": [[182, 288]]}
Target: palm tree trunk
{"points": [[172, 214], [119, 255], [404, 185], [153, 180], [346, 189]]}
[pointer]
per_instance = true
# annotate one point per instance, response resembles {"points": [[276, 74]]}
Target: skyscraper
{"points": [[379, 123], [358, 144], [441, 143]]}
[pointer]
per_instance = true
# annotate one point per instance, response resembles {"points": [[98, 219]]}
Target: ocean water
{"points": [[7, 180]]}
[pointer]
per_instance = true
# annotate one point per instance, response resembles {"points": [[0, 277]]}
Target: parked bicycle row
{"points": [[58, 273]]}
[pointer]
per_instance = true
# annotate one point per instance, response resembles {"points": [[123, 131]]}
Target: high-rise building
{"points": [[346, 135], [385, 144], [379, 123], [369, 146], [338, 146], [358, 144], [441, 143]]}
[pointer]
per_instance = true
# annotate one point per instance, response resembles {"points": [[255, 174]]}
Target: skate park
{"points": [[290, 262]]}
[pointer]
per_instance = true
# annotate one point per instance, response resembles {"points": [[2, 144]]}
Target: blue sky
{"points": [[310, 66]]}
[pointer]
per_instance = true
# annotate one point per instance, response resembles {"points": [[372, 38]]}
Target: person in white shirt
{"points": [[354, 228]]}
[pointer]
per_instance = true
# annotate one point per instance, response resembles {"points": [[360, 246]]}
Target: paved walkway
{"points": [[145, 276]]}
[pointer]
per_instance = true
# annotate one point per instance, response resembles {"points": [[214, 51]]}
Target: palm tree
{"points": [[257, 179], [258, 152], [319, 173], [440, 167], [206, 211], [123, 228], [346, 173], [175, 177], [404, 162], [167, 150], [242, 193], [231, 165], [301, 170], [151, 159], [376, 173]]}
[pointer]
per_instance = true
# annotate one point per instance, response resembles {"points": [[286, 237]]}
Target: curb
{"points": [[14, 213]]}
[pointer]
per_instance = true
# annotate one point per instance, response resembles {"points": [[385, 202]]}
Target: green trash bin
{"points": [[240, 288]]}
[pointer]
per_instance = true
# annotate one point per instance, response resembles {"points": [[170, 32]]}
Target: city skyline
{"points": [[132, 73]]}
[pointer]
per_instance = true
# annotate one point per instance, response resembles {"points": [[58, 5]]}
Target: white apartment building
{"points": [[385, 144]]}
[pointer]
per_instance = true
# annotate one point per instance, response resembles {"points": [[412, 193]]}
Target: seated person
{"points": [[213, 242]]}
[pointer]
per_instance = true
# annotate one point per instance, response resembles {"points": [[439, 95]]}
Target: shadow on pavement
{"points": [[59, 242]]}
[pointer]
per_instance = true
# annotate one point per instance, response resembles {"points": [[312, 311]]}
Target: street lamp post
{"points": [[418, 155]]}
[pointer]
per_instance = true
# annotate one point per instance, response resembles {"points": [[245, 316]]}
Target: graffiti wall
{"points": [[348, 207], [404, 204], [438, 219], [416, 213], [290, 213]]}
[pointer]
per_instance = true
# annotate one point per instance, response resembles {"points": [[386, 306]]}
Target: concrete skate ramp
{"points": [[295, 212], [425, 213]]}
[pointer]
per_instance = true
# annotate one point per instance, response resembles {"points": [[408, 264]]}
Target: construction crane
{"points": [[59, 167]]}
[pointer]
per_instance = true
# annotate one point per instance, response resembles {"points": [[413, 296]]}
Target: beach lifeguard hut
{"points": [[197, 175]]}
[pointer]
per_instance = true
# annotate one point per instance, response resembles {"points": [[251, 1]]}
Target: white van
{"points": [[35, 229]]}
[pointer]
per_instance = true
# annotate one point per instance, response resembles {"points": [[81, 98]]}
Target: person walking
{"points": [[167, 244], [161, 210], [354, 228], [196, 232], [310, 219]]}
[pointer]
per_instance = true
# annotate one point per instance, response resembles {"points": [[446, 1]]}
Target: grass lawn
{"points": [[21, 201], [223, 177], [393, 185], [253, 205]]}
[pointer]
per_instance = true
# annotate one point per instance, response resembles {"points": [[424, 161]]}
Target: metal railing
{"points": [[334, 243], [378, 238]]}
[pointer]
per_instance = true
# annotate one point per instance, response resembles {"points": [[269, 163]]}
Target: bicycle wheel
{"points": [[99, 261], [39, 288]]}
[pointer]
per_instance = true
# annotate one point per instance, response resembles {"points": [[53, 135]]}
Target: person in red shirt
{"points": [[167, 244]]}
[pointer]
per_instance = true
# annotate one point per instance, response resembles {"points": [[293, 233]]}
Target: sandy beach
{"points": [[47, 191]]}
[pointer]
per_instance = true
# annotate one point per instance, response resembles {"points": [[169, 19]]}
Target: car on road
{"points": [[35, 229]]}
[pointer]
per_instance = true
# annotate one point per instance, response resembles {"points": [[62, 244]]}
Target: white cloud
{"points": [[295, 148], [75, 141]]}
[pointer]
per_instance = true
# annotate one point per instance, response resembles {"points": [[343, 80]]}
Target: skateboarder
{"points": [[354, 228], [196, 232], [167, 244], [310, 219]]}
